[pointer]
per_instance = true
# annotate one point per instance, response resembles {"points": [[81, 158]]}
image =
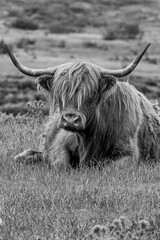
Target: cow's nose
{"points": [[71, 118], [72, 122]]}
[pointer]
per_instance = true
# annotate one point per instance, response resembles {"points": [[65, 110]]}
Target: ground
{"points": [[38, 202]]}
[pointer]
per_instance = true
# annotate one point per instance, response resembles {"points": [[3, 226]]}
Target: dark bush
{"points": [[123, 31], [24, 42], [61, 28], [58, 43], [152, 83], [25, 23], [13, 108], [90, 44], [14, 12]]}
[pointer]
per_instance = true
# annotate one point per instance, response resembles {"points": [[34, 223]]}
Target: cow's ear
{"points": [[45, 81], [106, 83]]}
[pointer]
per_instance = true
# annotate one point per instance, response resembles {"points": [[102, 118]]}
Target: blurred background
{"points": [[109, 33]]}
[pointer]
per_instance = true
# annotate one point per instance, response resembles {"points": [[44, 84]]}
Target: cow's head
{"points": [[76, 88]]}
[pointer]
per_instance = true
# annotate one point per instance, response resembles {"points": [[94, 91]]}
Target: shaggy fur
{"points": [[59, 147], [119, 120], [149, 134], [118, 116]]}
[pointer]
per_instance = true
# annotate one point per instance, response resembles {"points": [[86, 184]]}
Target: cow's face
{"points": [[76, 89]]}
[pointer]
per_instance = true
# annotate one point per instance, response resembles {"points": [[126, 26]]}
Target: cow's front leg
{"points": [[29, 156]]}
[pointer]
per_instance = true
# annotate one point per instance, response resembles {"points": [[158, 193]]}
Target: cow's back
{"points": [[149, 134]]}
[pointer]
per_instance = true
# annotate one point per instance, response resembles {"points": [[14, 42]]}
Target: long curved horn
{"points": [[26, 70], [127, 70]]}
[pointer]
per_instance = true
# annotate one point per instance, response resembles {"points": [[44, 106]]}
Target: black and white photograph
{"points": [[79, 120]]}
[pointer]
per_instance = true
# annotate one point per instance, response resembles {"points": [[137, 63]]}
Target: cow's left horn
{"points": [[127, 70], [26, 70]]}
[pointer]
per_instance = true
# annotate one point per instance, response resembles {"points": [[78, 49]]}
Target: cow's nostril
{"points": [[76, 120], [71, 119], [70, 116], [63, 119]]}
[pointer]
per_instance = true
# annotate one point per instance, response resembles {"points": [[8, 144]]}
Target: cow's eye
{"points": [[89, 100], [63, 73]]}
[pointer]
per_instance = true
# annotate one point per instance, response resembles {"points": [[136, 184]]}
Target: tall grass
{"points": [[38, 203]]}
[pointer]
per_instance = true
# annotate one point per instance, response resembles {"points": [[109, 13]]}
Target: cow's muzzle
{"points": [[72, 121]]}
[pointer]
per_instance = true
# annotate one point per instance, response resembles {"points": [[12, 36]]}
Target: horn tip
{"points": [[148, 44], [4, 44]]}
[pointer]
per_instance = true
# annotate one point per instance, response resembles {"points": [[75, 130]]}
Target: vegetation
{"points": [[123, 31], [35, 110], [61, 28], [124, 229], [41, 203], [25, 42], [61, 16], [25, 23], [15, 93], [121, 21]]}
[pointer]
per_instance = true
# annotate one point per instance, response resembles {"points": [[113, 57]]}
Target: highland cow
{"points": [[99, 117]]}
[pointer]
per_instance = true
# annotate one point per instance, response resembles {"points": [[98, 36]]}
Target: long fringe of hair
{"points": [[73, 83]]}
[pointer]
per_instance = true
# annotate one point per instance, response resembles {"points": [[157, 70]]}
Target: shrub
{"points": [[61, 28], [15, 11], [25, 23], [151, 60], [90, 44], [35, 109], [123, 31], [124, 228], [24, 42], [79, 7], [59, 44], [131, 30], [13, 108]]}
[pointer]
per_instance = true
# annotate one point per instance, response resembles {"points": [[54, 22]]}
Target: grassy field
{"points": [[40, 203]]}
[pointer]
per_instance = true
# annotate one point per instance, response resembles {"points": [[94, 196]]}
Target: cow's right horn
{"points": [[127, 70], [26, 70]]}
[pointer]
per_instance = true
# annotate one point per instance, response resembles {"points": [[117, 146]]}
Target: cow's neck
{"points": [[97, 142], [91, 145]]}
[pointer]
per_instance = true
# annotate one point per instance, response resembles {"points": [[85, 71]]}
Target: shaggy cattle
{"points": [[99, 118]]}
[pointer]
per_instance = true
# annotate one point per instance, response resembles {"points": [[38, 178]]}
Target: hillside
{"points": [[105, 32]]}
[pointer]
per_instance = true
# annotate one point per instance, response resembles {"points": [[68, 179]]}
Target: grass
{"points": [[38, 203]]}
